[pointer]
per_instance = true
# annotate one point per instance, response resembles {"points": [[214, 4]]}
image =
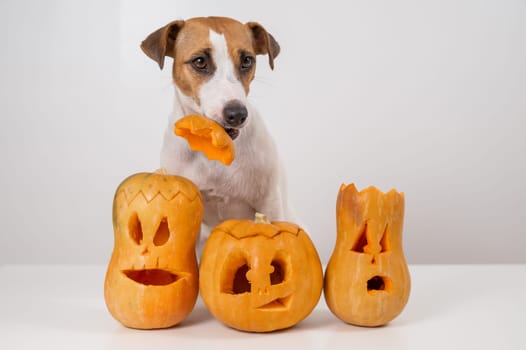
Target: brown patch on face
{"points": [[193, 41]]}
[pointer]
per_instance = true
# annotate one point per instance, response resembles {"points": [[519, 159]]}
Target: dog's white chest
{"points": [[251, 183], [220, 207]]}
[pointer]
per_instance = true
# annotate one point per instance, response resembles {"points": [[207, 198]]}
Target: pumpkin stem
{"points": [[261, 219], [161, 171]]}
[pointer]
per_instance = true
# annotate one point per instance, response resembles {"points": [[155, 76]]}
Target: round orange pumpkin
{"points": [[260, 276], [152, 277], [367, 281]]}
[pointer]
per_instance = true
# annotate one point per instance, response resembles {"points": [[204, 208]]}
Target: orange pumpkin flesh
{"points": [[260, 276], [367, 281], [152, 277], [207, 136]]}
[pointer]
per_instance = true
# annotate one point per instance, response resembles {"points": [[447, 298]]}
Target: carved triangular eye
{"points": [[361, 242], [135, 229], [162, 234], [385, 242]]}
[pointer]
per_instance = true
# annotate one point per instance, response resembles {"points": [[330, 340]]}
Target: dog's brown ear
{"points": [[264, 42], [161, 43]]}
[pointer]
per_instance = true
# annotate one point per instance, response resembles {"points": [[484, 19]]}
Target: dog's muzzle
{"points": [[233, 133], [234, 115]]}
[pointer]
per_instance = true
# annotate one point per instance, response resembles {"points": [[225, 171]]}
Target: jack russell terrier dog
{"points": [[214, 62]]}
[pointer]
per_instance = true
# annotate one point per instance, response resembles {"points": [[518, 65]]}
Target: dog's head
{"points": [[214, 64]]}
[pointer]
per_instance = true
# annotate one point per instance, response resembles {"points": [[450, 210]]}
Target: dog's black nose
{"points": [[235, 113]]}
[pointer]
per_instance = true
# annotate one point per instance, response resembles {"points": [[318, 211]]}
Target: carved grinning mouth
{"points": [[152, 277], [277, 304], [379, 284]]}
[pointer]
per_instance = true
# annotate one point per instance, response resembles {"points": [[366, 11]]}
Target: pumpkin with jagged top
{"points": [[367, 281], [152, 277]]}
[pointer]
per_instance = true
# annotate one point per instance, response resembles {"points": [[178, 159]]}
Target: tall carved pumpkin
{"points": [[152, 277], [260, 276], [367, 281]]}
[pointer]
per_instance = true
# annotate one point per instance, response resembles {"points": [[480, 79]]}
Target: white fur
{"points": [[255, 181], [224, 85]]}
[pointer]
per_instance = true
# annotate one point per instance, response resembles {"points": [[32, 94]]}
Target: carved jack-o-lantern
{"points": [[260, 276], [152, 277], [367, 281]]}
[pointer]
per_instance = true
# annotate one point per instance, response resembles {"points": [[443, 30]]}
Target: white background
{"points": [[67, 311], [428, 97]]}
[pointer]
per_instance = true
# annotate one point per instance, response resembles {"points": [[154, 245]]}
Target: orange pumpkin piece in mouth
{"points": [[207, 136]]}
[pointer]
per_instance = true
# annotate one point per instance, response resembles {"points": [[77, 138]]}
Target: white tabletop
{"points": [[450, 307]]}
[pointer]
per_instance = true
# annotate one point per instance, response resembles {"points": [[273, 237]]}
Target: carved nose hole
{"points": [[135, 229], [278, 275], [162, 234]]}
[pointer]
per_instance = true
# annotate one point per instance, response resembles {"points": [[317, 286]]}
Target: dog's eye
{"points": [[200, 64], [246, 62]]}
